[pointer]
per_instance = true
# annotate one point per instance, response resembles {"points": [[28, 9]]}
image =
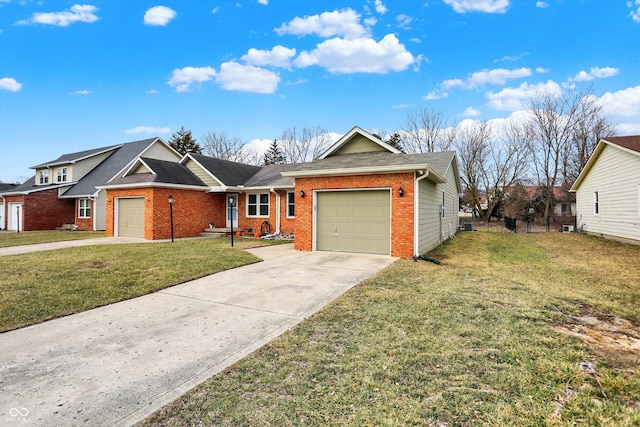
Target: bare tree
{"points": [[425, 131], [222, 146], [472, 144], [305, 144]]}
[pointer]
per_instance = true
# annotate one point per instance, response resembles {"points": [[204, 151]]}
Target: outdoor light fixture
{"points": [[302, 193], [400, 192], [170, 198]]}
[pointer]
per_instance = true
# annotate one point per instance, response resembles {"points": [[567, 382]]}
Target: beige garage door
{"points": [[131, 217], [354, 221]]}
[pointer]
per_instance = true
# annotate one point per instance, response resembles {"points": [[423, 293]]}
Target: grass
{"points": [[39, 286], [492, 336], [31, 237]]}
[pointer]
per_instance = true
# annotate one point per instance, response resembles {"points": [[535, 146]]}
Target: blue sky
{"points": [[75, 76]]}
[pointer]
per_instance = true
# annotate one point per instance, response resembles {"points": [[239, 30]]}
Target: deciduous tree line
{"points": [[545, 147]]}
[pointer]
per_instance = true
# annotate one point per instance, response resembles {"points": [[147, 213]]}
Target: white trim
{"points": [[596, 203], [371, 170], [294, 204], [85, 208], [10, 215], [152, 184], [314, 220], [347, 137]]}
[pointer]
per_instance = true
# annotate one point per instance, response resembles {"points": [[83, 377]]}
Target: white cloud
{"points": [[344, 23], [148, 129], [77, 13], [487, 6], [363, 55], [623, 103], [496, 77], [402, 106], [541, 70], [215, 10], [183, 78], [542, 4], [635, 10], [10, 84], [594, 73], [247, 78], [264, 2], [434, 95], [279, 56], [82, 92], [380, 8], [512, 99], [471, 112], [152, 92], [404, 21], [159, 15]]}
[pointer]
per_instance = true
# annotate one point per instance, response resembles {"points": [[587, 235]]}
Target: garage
{"points": [[130, 217], [353, 221]]}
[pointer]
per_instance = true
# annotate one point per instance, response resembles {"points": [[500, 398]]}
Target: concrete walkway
{"points": [[51, 246], [115, 365]]}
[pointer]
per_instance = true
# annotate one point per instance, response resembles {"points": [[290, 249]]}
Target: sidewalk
{"points": [[24, 249]]}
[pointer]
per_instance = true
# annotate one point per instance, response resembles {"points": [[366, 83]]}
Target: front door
{"points": [[15, 217], [232, 212]]}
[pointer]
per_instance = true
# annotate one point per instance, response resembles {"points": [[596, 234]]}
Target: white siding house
{"points": [[608, 190]]}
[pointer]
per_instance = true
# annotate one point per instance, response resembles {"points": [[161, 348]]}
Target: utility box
{"points": [[567, 228], [468, 226]]}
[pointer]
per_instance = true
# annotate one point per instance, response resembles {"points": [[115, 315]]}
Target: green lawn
{"points": [[38, 286], [492, 336], [31, 237]]}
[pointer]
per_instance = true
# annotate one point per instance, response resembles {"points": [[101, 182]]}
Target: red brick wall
{"points": [[192, 211], [85, 224], [255, 223], [402, 214], [43, 210]]}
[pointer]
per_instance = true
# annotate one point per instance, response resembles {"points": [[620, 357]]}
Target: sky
{"points": [[76, 76]]}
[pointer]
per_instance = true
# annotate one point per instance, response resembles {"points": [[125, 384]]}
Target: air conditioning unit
{"points": [[567, 228]]}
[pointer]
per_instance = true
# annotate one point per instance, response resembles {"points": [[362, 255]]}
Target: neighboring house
{"points": [[4, 187], [608, 190], [63, 191], [361, 195]]}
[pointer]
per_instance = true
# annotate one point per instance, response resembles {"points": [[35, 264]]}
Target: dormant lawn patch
{"points": [[486, 338]]}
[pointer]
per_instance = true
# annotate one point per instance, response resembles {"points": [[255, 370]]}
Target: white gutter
{"points": [[416, 207], [152, 185], [272, 190], [369, 170]]}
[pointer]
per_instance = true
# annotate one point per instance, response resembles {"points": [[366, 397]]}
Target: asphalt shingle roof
{"points": [[74, 157], [630, 142], [229, 173], [164, 171], [270, 176]]}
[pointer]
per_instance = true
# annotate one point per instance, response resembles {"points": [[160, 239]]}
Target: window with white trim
{"points": [[291, 204], [62, 174], [44, 176], [443, 203], [596, 203], [84, 208], [258, 204]]}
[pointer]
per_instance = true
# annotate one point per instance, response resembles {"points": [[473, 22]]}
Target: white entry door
{"points": [[232, 213], [15, 217]]}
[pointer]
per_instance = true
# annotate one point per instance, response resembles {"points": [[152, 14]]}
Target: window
{"points": [[291, 204], [596, 203], [44, 177], [443, 203], [62, 174], [258, 204], [84, 208]]}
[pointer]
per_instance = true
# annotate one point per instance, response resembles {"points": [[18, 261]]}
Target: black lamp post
{"points": [[171, 214], [18, 217], [232, 202]]}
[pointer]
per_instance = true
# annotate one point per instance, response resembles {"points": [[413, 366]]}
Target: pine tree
{"points": [[274, 156], [183, 142], [395, 141]]}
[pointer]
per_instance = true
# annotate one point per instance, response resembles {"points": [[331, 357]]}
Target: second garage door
{"points": [[354, 221], [131, 217]]}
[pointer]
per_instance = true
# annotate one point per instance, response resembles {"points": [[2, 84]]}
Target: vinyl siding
{"points": [[100, 211], [359, 144], [161, 151], [202, 174], [615, 175], [83, 167]]}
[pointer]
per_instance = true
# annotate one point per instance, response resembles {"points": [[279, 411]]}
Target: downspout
{"points": [[416, 208], [2, 214], [277, 210]]}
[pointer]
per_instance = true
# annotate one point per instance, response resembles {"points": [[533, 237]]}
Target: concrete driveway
{"points": [[117, 364]]}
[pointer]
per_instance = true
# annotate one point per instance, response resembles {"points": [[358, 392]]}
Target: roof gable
{"points": [[146, 171], [224, 171], [358, 140], [629, 144]]}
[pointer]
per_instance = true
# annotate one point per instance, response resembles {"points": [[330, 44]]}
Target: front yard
{"points": [[31, 237], [509, 330]]}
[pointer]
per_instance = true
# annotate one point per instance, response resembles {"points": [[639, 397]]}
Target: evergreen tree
{"points": [[274, 156], [395, 141], [183, 142]]}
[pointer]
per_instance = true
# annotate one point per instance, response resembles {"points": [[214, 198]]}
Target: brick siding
{"points": [[43, 210], [402, 213]]}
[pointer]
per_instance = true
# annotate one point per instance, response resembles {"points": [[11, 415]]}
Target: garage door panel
{"points": [[131, 217], [354, 221]]}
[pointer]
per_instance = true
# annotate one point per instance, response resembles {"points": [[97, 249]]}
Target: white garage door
{"points": [[131, 217], [354, 221]]}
